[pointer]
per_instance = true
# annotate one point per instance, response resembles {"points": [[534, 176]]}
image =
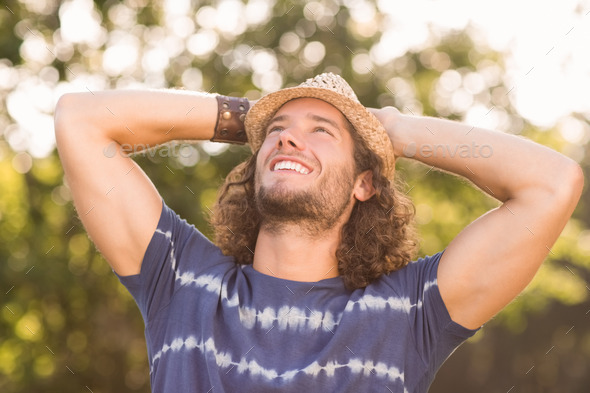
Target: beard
{"points": [[314, 210]]}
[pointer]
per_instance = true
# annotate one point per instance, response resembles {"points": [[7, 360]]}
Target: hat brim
{"points": [[363, 121]]}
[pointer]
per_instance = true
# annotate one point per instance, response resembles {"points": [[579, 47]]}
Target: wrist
{"points": [[394, 123], [231, 112], [400, 133]]}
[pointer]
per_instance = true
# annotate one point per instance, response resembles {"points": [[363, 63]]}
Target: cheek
{"points": [[259, 161], [263, 154]]}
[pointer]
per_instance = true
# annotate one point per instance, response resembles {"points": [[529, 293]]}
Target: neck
{"points": [[292, 253]]}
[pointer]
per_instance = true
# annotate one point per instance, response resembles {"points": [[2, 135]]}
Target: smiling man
{"points": [[297, 188], [309, 285]]}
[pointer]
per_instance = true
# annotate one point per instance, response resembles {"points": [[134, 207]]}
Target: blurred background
{"points": [[66, 324]]}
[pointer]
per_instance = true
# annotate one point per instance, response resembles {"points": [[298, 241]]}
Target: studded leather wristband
{"points": [[230, 120]]}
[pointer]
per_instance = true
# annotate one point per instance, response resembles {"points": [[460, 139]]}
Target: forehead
{"points": [[314, 106]]}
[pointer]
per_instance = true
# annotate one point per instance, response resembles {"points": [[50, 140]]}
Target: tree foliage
{"points": [[66, 324]]}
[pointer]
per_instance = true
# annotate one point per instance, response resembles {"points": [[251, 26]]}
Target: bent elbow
{"points": [[571, 184], [66, 111], [577, 179], [62, 109]]}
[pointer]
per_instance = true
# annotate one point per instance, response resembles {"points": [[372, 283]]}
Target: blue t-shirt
{"points": [[214, 326]]}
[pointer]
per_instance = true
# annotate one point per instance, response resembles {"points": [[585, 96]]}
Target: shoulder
{"points": [[182, 246], [422, 270], [175, 228]]}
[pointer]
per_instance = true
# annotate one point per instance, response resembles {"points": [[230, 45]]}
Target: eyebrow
{"points": [[277, 119], [324, 120]]}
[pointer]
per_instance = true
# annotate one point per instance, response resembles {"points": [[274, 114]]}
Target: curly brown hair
{"points": [[378, 238]]}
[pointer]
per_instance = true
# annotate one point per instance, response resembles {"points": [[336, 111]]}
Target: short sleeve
{"points": [[176, 247], [435, 333]]}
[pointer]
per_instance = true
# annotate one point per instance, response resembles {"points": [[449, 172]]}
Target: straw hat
{"points": [[334, 90]]}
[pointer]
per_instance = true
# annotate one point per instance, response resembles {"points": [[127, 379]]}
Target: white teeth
{"points": [[291, 166]]}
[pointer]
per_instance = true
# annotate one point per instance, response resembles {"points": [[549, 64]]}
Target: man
{"points": [[314, 292]]}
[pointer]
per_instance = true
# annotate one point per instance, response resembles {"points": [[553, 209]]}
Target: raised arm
{"points": [[493, 259], [117, 203]]}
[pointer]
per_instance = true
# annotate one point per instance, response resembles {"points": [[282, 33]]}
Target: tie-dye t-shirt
{"points": [[214, 326]]}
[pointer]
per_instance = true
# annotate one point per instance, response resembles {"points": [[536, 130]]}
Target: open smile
{"points": [[286, 164]]}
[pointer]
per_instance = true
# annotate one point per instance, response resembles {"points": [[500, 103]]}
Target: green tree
{"points": [[67, 324]]}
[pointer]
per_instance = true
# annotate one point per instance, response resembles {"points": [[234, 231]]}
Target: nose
{"points": [[290, 138]]}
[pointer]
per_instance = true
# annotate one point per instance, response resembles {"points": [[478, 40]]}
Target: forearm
{"points": [[139, 118], [503, 165]]}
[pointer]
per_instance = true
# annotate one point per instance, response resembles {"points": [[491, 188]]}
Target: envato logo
{"points": [[174, 149], [451, 151]]}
